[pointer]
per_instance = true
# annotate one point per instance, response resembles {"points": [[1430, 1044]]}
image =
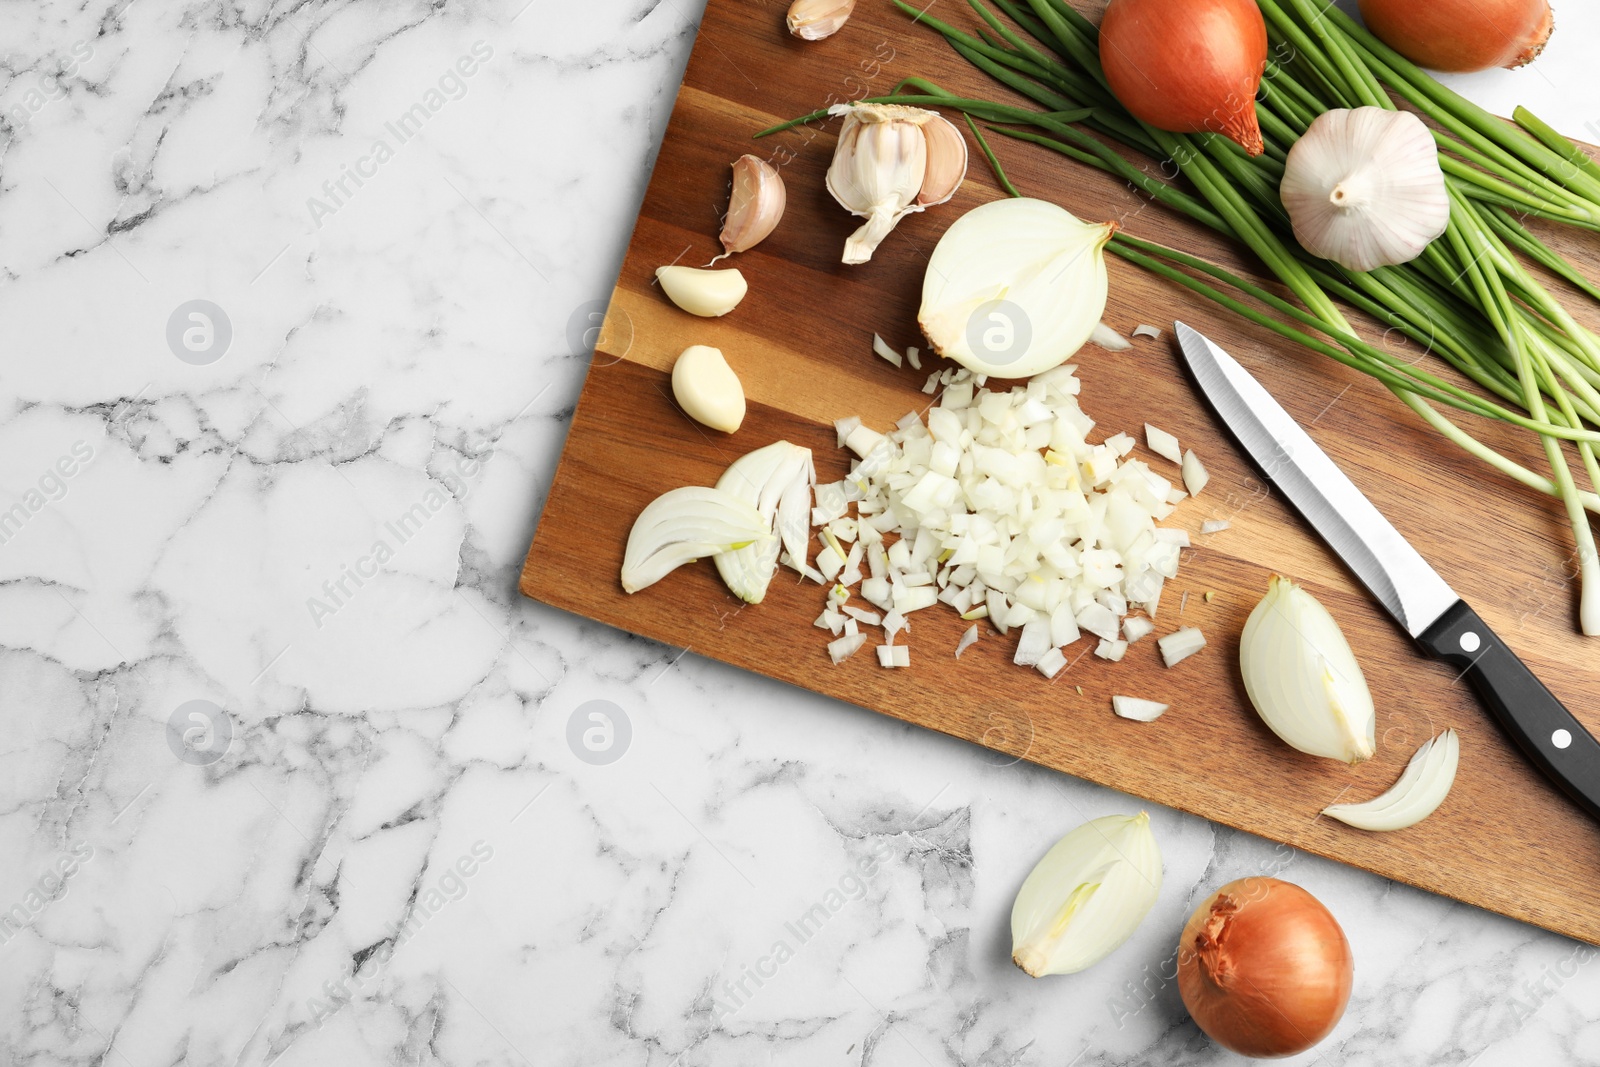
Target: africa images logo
{"points": [[450, 85]]}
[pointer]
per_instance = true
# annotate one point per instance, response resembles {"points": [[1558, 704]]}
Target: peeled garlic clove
{"points": [[1418, 793], [1363, 187], [1015, 287], [812, 20], [686, 524], [1302, 677], [1086, 896], [947, 161], [877, 171], [756, 205], [707, 293], [707, 389], [776, 481]]}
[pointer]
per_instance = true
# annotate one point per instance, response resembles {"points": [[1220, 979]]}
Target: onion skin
{"points": [[1188, 66], [1462, 36], [1264, 968]]}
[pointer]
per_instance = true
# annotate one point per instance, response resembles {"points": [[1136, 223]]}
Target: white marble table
{"points": [[379, 847]]}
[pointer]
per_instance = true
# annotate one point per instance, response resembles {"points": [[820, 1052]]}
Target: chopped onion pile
{"points": [[1000, 508]]}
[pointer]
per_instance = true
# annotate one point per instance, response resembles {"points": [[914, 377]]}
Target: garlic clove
{"points": [[707, 293], [1015, 287], [1421, 789], [1303, 679], [877, 170], [1363, 187], [756, 205], [812, 20], [1086, 896], [947, 161], [707, 389], [686, 524], [776, 481]]}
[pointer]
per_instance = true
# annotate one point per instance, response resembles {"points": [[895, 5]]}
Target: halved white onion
{"points": [[1015, 287]]}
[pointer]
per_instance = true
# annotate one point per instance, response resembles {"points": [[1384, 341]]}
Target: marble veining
{"points": [[295, 299]]}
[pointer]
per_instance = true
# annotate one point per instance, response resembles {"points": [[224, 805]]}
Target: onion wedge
{"points": [[776, 482], [686, 524], [1418, 793]]}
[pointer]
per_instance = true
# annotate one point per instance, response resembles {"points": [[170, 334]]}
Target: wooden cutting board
{"points": [[1504, 840]]}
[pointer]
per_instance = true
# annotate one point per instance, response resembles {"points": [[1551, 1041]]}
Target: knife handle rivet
{"points": [[1470, 643], [1561, 739]]}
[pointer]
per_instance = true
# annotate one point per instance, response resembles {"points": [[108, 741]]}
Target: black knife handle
{"points": [[1539, 723]]}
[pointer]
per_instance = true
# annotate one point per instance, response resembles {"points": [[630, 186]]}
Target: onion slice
{"points": [[845, 647], [1137, 709], [776, 482], [1109, 339], [1195, 475], [686, 524], [1163, 443], [1180, 645], [1418, 793]]}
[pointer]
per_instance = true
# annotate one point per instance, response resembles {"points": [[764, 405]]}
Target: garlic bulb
{"points": [[812, 20], [707, 389], [1418, 793], [1015, 287], [707, 293], [1086, 896], [1363, 187], [890, 162], [1302, 677], [686, 524], [776, 481], [756, 205]]}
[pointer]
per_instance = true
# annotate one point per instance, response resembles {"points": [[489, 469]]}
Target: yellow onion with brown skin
{"points": [[1264, 968], [1188, 66], [1461, 36]]}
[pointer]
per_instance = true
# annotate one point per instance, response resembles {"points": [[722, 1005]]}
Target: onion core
{"points": [[1461, 36], [1188, 67], [1264, 968]]}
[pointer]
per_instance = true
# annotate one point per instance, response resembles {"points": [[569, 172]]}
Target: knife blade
{"points": [[1413, 593]]}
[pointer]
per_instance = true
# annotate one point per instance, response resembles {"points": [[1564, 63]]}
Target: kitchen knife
{"points": [[1412, 591]]}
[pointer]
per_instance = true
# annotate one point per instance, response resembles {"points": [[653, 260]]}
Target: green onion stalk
{"points": [[1469, 299]]}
